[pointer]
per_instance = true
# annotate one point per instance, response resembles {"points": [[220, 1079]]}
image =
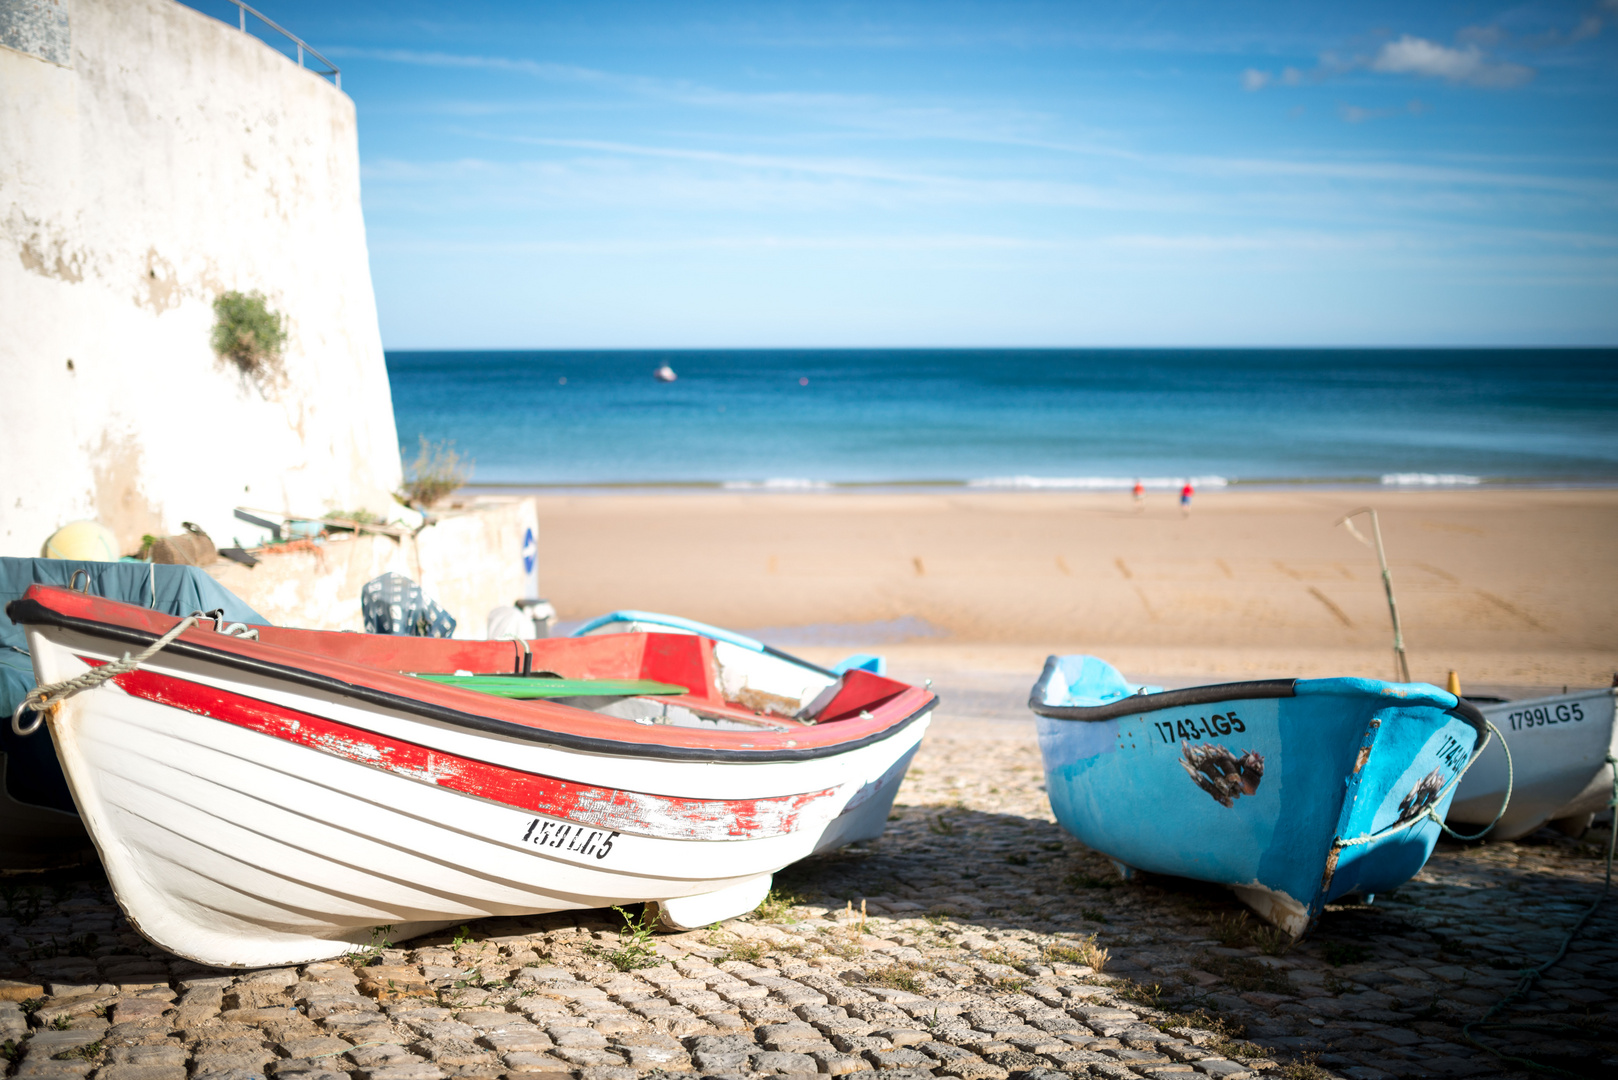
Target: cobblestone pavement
{"points": [[974, 941]]}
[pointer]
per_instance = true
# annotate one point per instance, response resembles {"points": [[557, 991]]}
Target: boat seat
{"points": [[516, 686]]}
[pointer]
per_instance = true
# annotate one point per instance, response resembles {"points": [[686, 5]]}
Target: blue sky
{"points": [[621, 174]]}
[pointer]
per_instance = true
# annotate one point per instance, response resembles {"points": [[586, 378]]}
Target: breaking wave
{"points": [[1096, 483], [777, 483], [1422, 479]]}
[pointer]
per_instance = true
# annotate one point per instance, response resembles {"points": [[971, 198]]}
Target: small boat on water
{"points": [[289, 798], [664, 374], [1561, 747], [1292, 792]]}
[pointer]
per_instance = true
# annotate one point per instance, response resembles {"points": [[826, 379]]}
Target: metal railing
{"points": [[331, 71]]}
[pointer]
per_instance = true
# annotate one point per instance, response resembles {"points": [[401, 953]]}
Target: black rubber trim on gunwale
{"points": [[1472, 715], [1209, 695], [1168, 699], [24, 612]]}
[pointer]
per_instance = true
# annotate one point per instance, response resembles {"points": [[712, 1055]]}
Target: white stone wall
{"points": [[161, 158], [470, 561]]}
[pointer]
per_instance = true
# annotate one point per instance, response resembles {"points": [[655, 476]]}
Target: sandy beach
{"points": [[1511, 588]]}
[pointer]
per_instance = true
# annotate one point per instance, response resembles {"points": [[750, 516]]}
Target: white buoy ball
{"points": [[82, 541]]}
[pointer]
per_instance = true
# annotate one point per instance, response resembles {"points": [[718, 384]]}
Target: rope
{"points": [[1511, 778], [45, 699], [1432, 808], [1531, 975]]}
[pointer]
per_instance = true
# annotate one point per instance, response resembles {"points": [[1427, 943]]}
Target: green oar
{"points": [[515, 686]]}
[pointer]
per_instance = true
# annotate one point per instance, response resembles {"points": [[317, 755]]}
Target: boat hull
{"points": [[248, 821], [1333, 761], [1559, 747]]}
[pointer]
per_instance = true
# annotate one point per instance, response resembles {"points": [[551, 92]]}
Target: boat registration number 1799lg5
{"points": [[1566, 712]]}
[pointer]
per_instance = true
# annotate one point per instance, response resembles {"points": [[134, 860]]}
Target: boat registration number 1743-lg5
{"points": [[1201, 727], [555, 834], [1567, 712]]}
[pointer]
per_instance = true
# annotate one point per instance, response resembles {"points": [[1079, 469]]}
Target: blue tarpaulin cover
{"points": [[34, 775]]}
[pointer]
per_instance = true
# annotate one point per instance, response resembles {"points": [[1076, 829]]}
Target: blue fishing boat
{"points": [[1292, 792]]}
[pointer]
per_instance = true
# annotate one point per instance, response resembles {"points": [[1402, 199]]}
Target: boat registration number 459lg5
{"points": [[553, 834], [1566, 712]]}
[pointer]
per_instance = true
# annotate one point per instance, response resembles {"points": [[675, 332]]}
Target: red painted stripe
{"points": [[323, 653], [607, 808]]}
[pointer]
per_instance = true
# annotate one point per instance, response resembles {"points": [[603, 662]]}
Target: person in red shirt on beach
{"points": [[1185, 499], [1140, 495]]}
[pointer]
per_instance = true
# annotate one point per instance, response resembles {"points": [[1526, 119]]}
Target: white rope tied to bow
{"points": [[42, 699]]}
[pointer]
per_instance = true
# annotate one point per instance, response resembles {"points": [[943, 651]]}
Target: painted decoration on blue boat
{"points": [[1219, 772], [1285, 797]]}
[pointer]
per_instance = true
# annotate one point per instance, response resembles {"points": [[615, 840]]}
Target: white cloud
{"points": [[1590, 25], [1412, 55], [1354, 114], [1484, 37], [1254, 79]]}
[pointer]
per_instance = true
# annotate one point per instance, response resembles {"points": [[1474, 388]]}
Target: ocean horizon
{"points": [[804, 420]]}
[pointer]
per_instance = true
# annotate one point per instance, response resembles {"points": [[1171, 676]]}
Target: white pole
{"points": [[1400, 660]]}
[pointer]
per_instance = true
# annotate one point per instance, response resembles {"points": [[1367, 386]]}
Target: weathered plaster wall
{"points": [[150, 158], [471, 561]]}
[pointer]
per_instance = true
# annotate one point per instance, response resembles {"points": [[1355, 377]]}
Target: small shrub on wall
{"points": [[248, 333], [437, 471]]}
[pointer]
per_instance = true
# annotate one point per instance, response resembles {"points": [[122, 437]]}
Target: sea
{"points": [[1010, 419]]}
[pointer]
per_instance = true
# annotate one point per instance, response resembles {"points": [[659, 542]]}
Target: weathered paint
{"points": [[866, 705], [229, 847], [633, 812], [1339, 774]]}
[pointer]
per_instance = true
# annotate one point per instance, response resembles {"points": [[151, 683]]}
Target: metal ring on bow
{"points": [[16, 721]]}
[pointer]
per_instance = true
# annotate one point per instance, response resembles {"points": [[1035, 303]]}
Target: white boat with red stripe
{"points": [[279, 800]]}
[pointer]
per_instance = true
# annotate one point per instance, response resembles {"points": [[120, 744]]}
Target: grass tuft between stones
{"points": [[1085, 952], [87, 1052], [777, 906], [635, 946]]}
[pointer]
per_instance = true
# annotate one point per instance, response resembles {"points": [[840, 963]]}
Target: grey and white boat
{"points": [[1562, 750]]}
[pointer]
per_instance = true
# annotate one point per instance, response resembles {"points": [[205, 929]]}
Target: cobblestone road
{"points": [[975, 940]]}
